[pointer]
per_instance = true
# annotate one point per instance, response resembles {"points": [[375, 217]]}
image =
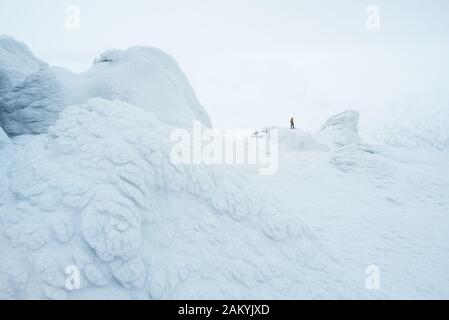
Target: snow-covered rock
{"points": [[33, 94], [16, 63], [96, 191], [340, 130], [99, 192]]}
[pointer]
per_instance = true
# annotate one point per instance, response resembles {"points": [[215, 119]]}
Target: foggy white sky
{"points": [[259, 62]]}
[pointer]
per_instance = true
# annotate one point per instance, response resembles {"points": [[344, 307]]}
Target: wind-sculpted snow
{"points": [[87, 184], [16, 63], [340, 130], [99, 192], [32, 94]]}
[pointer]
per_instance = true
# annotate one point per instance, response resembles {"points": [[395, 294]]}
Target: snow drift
{"points": [[339, 131]]}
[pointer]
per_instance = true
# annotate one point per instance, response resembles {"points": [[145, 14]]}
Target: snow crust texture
{"points": [[16, 63], [340, 130], [415, 127], [100, 192]]}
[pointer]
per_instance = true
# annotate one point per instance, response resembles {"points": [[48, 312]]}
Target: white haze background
{"points": [[254, 63]]}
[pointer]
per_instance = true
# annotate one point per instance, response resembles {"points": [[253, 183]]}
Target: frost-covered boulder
{"points": [[16, 63], [34, 94], [100, 193], [340, 130], [148, 78]]}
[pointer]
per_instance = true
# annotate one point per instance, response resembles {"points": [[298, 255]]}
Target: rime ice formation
{"points": [[86, 182], [99, 192], [16, 63], [340, 130], [32, 94]]}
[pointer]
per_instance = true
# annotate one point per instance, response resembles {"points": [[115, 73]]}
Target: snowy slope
{"points": [[86, 180], [100, 192], [33, 94], [372, 205], [423, 126]]}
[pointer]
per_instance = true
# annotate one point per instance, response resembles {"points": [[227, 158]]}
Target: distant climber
{"points": [[292, 123]]}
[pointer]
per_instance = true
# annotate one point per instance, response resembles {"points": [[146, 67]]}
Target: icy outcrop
{"points": [[16, 63], [33, 94], [99, 192], [148, 78], [340, 130]]}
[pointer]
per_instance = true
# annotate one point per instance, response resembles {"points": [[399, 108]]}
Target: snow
{"points": [[87, 181], [16, 63], [32, 98], [99, 191], [340, 130], [4, 139], [413, 127], [376, 205]]}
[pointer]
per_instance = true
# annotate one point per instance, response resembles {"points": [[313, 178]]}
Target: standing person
{"points": [[292, 123]]}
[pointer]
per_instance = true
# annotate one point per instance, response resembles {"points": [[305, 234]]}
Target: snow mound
{"points": [[340, 130], [297, 140], [99, 192], [33, 94]]}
